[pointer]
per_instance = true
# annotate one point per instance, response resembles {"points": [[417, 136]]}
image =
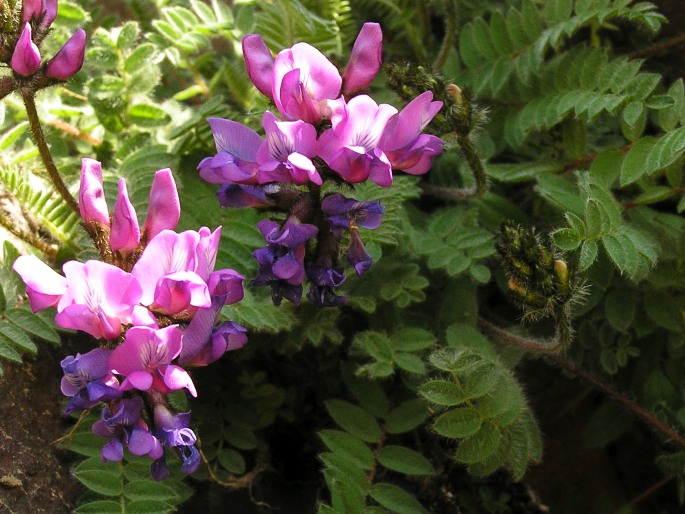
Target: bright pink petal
{"points": [[125, 233], [365, 59], [207, 249], [44, 286], [164, 209], [176, 377], [26, 56], [69, 59], [141, 380], [259, 63], [178, 292]]}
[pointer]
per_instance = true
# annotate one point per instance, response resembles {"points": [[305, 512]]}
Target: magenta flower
{"points": [[303, 79], [69, 59], [164, 206], [91, 198], [44, 286], [407, 149], [365, 59], [99, 299], [34, 9], [171, 273], [235, 162], [125, 231], [144, 358], [351, 146], [26, 56], [286, 154]]}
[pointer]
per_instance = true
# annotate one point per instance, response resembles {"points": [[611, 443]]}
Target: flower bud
{"points": [[91, 198], [26, 57], [31, 9], [125, 233], [259, 63], [365, 59], [69, 59], [164, 208]]}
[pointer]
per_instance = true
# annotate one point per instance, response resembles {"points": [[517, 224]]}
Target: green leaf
{"points": [[395, 499], [147, 115], [406, 417], [567, 239], [368, 393], [8, 352], [410, 363], [33, 324], [458, 423], [127, 35], [13, 334], [9, 137], [142, 56], [240, 437], [442, 392], [411, 339], [231, 461], [354, 420], [148, 507], [480, 445], [99, 507], [588, 254], [148, 490], [404, 460], [103, 478], [349, 445], [619, 308]]}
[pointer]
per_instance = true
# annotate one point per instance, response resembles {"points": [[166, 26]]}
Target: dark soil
{"points": [[34, 475]]}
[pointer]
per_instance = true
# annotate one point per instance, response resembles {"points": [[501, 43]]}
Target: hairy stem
{"points": [[34, 240], [564, 363], [39, 138]]}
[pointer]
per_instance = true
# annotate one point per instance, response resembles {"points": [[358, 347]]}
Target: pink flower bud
{"points": [[365, 59], [31, 9], [26, 57], [69, 59], [91, 198], [164, 208], [259, 63], [50, 10], [125, 233]]}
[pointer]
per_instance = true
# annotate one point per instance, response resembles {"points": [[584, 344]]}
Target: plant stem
{"points": [[531, 345], [447, 41], [33, 239], [535, 346], [39, 138]]}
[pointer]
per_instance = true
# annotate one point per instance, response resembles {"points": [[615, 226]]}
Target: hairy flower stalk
{"points": [[153, 304], [328, 133]]}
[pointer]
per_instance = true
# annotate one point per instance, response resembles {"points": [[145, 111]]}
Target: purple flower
{"points": [[99, 299], [286, 154], [351, 148], [92, 203], [34, 9], [164, 206], [173, 430], [407, 149], [357, 255], [281, 263], [303, 80], [325, 280], [125, 231], [44, 286], [365, 59], [69, 59], [88, 380], [235, 196], [235, 162], [124, 428], [144, 358], [26, 56], [344, 213]]}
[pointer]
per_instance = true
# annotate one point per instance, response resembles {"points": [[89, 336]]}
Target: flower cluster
{"points": [[154, 299], [327, 131], [21, 50]]}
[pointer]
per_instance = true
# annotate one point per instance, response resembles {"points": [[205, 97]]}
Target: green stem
{"points": [[39, 138], [560, 340], [450, 18]]}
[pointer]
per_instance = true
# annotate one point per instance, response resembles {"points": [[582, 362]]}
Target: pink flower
{"points": [[44, 286], [144, 358], [99, 299], [259, 63], [91, 197], [26, 57], [286, 155], [407, 149], [365, 59], [351, 146], [69, 59]]}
